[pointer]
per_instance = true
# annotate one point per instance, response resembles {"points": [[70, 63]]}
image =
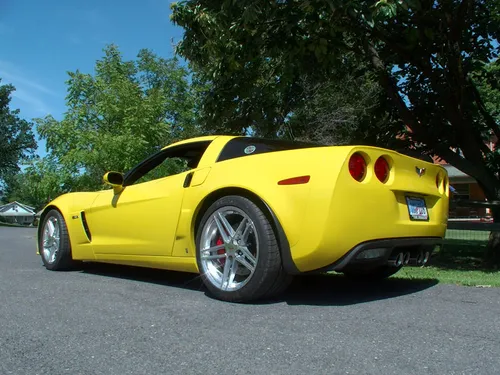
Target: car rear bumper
{"points": [[415, 251]]}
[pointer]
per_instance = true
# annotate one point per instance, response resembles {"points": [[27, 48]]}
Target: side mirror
{"points": [[115, 179]]}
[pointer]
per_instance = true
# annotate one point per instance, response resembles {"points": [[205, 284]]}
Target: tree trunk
{"points": [[492, 255]]}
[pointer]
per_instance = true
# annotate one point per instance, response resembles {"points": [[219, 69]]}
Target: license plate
{"points": [[417, 208]]}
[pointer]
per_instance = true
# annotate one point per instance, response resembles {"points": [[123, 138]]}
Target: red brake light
{"points": [[295, 180], [382, 169], [357, 167]]}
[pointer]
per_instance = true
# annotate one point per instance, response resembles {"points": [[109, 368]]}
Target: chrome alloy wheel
{"points": [[51, 239], [229, 249]]}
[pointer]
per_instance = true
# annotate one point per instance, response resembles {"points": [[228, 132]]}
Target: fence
{"points": [[473, 229]]}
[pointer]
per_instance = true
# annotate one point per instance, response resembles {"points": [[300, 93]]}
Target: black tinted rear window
{"points": [[245, 146]]}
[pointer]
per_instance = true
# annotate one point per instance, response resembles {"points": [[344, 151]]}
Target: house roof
{"points": [[6, 207], [456, 175]]}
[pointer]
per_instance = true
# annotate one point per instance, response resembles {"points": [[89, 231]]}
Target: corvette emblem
{"points": [[249, 149], [420, 171]]}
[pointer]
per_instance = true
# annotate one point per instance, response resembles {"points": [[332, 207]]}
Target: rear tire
{"points": [[237, 252], [53, 243]]}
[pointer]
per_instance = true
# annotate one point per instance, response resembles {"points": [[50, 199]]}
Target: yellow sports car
{"points": [[249, 213]]}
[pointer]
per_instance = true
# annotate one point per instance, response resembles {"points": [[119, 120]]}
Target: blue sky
{"points": [[40, 41]]}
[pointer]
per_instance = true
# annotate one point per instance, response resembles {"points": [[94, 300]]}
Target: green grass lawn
{"points": [[468, 278], [458, 261]]}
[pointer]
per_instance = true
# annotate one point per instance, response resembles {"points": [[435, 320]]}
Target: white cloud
{"points": [[36, 104], [18, 79], [28, 90]]}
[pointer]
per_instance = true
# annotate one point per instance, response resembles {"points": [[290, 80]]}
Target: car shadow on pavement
{"points": [[320, 290], [147, 275], [338, 290]]}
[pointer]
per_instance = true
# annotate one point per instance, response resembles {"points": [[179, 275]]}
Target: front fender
{"points": [[71, 206]]}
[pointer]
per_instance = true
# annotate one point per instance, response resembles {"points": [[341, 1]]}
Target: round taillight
{"points": [[357, 167], [382, 169]]}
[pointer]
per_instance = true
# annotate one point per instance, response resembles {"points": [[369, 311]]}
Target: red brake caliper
{"points": [[221, 251]]}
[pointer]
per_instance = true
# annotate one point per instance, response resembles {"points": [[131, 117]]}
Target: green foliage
{"points": [[487, 80], [170, 166], [261, 60], [349, 110], [41, 181], [16, 137], [120, 115]]}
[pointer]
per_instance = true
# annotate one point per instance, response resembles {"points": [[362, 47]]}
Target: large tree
{"points": [[119, 115], [425, 54], [16, 137]]}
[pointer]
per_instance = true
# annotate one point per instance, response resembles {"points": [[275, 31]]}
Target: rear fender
{"points": [[297, 211]]}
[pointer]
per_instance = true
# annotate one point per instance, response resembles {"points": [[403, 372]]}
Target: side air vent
{"points": [[187, 180], [85, 226]]}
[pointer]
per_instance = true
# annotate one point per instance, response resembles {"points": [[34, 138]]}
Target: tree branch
{"points": [[393, 92], [481, 174], [490, 121]]}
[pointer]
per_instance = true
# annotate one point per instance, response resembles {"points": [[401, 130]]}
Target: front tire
{"points": [[54, 244], [237, 252]]}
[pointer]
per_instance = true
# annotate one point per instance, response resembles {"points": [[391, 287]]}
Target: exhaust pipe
{"points": [[427, 257], [406, 258], [396, 261], [416, 260], [420, 259]]}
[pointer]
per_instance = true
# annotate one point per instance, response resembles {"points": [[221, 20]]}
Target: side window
{"points": [[167, 162], [244, 146], [169, 167]]}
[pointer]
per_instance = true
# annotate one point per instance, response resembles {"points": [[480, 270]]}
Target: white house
{"points": [[17, 213]]}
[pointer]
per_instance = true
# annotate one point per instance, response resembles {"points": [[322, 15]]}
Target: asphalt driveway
{"points": [[121, 320]]}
